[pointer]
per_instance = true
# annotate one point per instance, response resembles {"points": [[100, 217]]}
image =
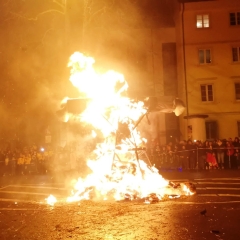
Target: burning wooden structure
{"points": [[121, 167]]}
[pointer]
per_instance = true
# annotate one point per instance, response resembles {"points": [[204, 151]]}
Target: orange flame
{"points": [[116, 171], [51, 200]]}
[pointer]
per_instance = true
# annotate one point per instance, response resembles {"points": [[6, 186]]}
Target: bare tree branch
{"points": [[102, 10], [61, 5], [36, 18], [45, 34]]}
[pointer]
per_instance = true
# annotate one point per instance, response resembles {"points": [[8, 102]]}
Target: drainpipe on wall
{"points": [[185, 70], [153, 67], [184, 59]]}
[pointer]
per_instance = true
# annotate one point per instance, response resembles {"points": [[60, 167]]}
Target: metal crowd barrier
{"points": [[175, 155], [166, 160]]}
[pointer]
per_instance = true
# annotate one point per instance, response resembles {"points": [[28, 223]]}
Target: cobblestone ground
{"points": [[90, 220]]}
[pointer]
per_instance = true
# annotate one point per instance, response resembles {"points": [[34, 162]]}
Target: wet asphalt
{"points": [[212, 213]]}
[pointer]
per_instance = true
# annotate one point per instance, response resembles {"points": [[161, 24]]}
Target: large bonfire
{"points": [[120, 168]]}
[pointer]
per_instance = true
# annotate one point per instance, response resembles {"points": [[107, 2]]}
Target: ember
{"points": [[120, 168], [51, 200]]}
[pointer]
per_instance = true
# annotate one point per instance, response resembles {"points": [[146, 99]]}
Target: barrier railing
{"points": [[230, 160], [194, 159]]}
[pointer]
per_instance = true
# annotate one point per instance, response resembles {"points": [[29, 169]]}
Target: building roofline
{"points": [[192, 1], [196, 116]]}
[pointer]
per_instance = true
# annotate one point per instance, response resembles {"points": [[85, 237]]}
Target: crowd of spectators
{"points": [[186, 155], [25, 161], [35, 160], [202, 155]]}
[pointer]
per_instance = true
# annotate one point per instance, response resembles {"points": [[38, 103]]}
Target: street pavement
{"points": [[212, 213], [211, 186]]}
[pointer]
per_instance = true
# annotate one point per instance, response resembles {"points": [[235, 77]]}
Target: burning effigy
{"points": [[120, 167]]}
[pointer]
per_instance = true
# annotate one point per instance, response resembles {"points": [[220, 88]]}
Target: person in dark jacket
{"points": [[202, 156], [236, 158], [220, 147], [183, 157], [229, 153], [192, 154]]}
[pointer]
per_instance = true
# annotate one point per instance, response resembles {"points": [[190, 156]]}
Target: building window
{"points": [[234, 18], [206, 93], [236, 54], [237, 91], [204, 56], [238, 126], [203, 21], [137, 59], [211, 130]]}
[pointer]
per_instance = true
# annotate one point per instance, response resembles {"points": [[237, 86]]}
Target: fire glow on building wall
{"points": [[120, 168]]}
